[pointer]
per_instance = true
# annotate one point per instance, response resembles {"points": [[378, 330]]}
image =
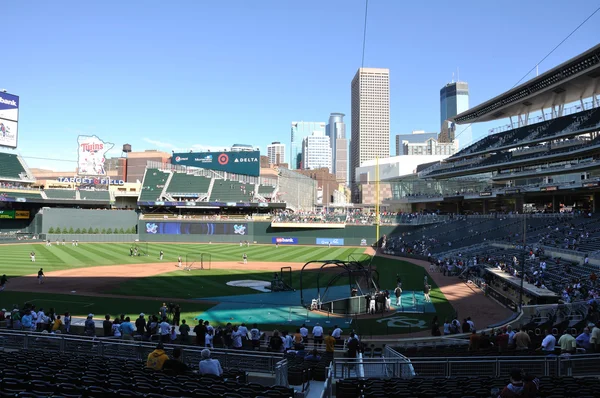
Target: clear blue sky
{"points": [[163, 75]]}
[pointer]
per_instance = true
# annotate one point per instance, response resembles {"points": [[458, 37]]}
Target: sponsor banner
{"points": [[485, 194], [7, 214], [91, 181], [590, 184], [8, 133], [9, 107], [330, 241], [246, 163], [512, 191], [92, 151], [186, 228], [549, 189], [285, 241], [22, 214], [363, 242]]}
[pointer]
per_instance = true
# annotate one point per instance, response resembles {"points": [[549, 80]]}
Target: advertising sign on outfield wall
{"points": [[9, 119], [285, 241], [246, 163], [14, 214], [330, 241], [186, 228]]}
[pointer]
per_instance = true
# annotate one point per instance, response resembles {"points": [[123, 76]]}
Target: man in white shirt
{"points": [[471, 324], [317, 333], [165, 330], [304, 332], [255, 337], [209, 366], [244, 331], [236, 336], [548, 343], [337, 333], [208, 339], [288, 341]]}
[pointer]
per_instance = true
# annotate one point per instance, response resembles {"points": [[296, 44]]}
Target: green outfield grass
{"points": [[16, 262], [198, 283]]}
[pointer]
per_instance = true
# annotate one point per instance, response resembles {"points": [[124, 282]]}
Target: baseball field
{"points": [[102, 278]]}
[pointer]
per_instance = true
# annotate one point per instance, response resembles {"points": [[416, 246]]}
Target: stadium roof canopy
{"points": [[572, 80]]}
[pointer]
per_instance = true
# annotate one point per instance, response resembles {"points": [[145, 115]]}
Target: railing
{"points": [[550, 366], [328, 386], [281, 373], [114, 348]]}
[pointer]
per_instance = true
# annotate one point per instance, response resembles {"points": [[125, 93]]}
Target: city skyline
{"points": [[241, 83]]}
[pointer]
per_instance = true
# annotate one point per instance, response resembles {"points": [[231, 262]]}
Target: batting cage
{"points": [[340, 285], [197, 261]]}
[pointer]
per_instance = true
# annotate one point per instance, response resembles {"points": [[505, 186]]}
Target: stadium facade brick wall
{"points": [[260, 232], [85, 218]]}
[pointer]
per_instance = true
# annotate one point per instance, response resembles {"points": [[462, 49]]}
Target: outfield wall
{"points": [[84, 218], [259, 232]]}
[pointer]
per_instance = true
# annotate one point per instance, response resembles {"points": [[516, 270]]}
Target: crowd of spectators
{"points": [[355, 217]]}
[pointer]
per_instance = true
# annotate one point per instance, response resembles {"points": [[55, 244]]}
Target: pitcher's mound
{"points": [[261, 286]]}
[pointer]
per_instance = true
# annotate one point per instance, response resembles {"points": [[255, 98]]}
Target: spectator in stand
{"points": [[567, 343], [298, 339], [304, 332], [288, 341], [474, 341], [157, 358], [140, 324], [330, 342], [57, 325], [520, 387], [583, 340], [116, 328], [107, 326], [209, 366], [255, 337], [317, 333], [522, 339], [276, 344], [595, 337], [200, 331], [89, 328], [127, 329], [175, 365], [548, 343], [184, 330], [435, 327], [236, 337], [208, 338], [337, 334], [165, 330], [353, 345]]}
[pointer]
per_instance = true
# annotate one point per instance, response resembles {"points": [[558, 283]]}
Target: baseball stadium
{"points": [[454, 275]]}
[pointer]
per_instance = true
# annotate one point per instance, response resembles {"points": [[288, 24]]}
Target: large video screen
{"points": [[246, 163], [188, 228]]}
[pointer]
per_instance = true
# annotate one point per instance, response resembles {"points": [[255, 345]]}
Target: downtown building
{"points": [[336, 131], [299, 131], [276, 153], [316, 152], [370, 138], [454, 99]]}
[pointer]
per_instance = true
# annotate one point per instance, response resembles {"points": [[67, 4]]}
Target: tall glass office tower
{"points": [[336, 131], [454, 99], [301, 130]]}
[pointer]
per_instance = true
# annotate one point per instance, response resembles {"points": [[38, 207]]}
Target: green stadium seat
{"points": [[154, 181], [182, 183], [60, 193], [231, 191], [10, 166]]}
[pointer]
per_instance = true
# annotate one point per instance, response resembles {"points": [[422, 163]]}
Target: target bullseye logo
{"points": [[223, 159]]}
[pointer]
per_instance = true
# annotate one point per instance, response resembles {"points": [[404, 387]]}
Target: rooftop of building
{"points": [[570, 81]]}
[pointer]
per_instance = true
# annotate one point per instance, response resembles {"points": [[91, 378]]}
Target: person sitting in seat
{"points": [[157, 358], [175, 364], [520, 386], [209, 366]]}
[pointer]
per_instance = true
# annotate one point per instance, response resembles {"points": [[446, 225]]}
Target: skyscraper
{"points": [[454, 99], [276, 153], [299, 131], [370, 117], [336, 131], [316, 151]]}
